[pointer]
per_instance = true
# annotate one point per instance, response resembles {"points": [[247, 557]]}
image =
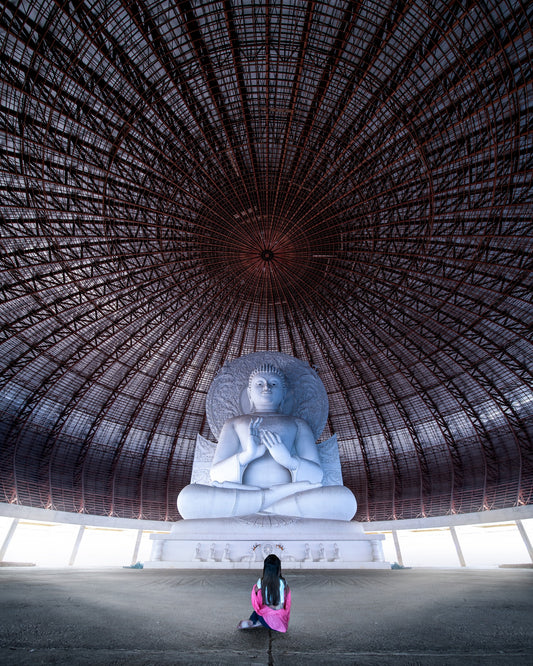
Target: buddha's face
{"points": [[266, 392]]}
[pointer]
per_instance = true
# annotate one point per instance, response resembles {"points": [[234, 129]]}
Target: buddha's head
{"points": [[267, 389]]}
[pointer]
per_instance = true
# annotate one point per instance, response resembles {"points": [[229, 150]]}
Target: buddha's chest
{"points": [[265, 471]]}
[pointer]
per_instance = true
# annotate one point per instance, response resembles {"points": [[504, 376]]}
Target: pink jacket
{"points": [[276, 619]]}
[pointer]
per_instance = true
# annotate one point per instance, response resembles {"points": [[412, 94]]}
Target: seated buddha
{"points": [[266, 462]]}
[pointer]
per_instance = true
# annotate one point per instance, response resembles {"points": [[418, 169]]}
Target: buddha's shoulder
{"points": [[302, 423]]}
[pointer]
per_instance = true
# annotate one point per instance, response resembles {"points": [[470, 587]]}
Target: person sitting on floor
{"points": [[271, 599]]}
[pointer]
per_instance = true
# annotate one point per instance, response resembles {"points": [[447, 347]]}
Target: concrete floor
{"points": [[128, 616]]}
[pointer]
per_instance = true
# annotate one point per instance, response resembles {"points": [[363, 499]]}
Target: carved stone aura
{"points": [[306, 396]]}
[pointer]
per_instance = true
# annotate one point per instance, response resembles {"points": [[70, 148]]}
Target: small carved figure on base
{"points": [[197, 553]]}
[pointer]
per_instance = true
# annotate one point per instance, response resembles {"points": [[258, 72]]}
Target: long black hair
{"points": [[270, 580]]}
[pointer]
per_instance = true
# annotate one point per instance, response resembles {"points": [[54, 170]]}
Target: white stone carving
{"points": [[197, 555], [302, 544], [203, 458], [266, 460], [306, 397], [266, 486], [328, 452]]}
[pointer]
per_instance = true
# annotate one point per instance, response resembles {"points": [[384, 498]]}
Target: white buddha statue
{"points": [[266, 462]]}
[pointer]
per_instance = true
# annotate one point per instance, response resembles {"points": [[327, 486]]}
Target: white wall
{"points": [[51, 538]]}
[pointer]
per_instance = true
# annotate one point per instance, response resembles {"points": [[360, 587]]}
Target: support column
{"points": [[76, 545], [524, 536], [455, 538], [397, 546], [136, 548], [8, 538]]}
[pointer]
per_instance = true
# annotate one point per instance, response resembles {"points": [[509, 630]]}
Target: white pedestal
{"points": [[243, 543]]}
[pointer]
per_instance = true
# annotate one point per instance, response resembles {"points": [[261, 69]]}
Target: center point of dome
{"points": [[267, 255]]}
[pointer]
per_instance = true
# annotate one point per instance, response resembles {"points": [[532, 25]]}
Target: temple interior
{"points": [[185, 183]]}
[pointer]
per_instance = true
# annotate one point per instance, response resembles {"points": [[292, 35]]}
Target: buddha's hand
{"points": [[253, 448], [278, 450]]}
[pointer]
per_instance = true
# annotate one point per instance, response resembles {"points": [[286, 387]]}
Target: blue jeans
{"points": [[254, 617]]}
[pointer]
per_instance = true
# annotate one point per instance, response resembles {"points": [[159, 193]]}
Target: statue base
{"points": [[244, 542]]}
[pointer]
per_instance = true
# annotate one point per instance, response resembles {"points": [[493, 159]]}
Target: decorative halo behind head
{"points": [[305, 395]]}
